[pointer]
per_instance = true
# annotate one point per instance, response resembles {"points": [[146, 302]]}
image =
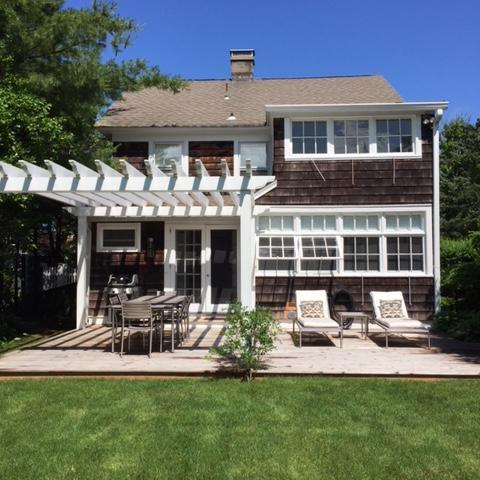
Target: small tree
{"points": [[249, 336]]}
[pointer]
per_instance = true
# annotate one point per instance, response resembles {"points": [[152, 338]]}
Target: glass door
{"points": [[188, 275], [222, 267]]}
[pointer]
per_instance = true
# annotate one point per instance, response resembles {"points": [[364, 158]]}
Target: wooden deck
{"points": [[88, 352]]}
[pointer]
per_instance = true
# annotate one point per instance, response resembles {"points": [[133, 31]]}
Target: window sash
{"points": [[319, 248], [132, 241], [309, 137], [165, 152], [405, 254], [367, 257], [256, 152], [276, 247]]}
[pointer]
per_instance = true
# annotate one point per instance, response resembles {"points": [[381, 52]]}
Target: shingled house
{"points": [[253, 188]]}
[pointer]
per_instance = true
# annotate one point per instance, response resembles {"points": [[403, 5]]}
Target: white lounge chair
{"points": [[390, 314], [313, 314]]}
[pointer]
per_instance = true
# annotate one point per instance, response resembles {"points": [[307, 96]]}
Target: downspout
{"points": [[436, 207]]}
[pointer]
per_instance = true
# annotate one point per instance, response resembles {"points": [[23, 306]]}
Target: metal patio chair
{"points": [[137, 317]]}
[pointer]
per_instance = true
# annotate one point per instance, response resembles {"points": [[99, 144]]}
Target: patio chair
{"points": [[390, 314], [116, 314], [137, 317], [313, 314]]}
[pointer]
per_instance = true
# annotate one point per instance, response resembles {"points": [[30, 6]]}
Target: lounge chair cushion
{"points": [[312, 309], [318, 323], [405, 323], [391, 309]]}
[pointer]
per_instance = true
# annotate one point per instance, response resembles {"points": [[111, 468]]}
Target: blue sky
{"points": [[427, 49]]}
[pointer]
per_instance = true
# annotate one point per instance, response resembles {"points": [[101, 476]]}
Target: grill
{"points": [[127, 284], [342, 301]]}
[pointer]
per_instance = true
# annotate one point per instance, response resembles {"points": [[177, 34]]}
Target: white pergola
{"points": [[107, 192]]}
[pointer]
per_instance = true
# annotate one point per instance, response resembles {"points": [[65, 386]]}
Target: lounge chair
{"points": [[390, 314], [313, 314]]}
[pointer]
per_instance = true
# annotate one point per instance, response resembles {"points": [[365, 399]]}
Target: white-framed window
{"points": [[256, 152], [118, 237], [165, 152], [405, 253], [309, 137], [318, 223], [276, 253], [318, 253], [394, 135], [351, 136], [276, 223], [355, 137], [355, 223], [373, 243], [361, 254]]}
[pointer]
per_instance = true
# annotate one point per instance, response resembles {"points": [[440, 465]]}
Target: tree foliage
{"points": [[460, 178], [59, 70]]}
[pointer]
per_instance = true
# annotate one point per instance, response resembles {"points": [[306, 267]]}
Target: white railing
{"points": [[57, 276]]}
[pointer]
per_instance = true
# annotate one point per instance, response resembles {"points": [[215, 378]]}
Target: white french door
{"points": [[201, 260]]}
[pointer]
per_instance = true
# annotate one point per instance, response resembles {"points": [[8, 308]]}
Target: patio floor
{"points": [[88, 352]]}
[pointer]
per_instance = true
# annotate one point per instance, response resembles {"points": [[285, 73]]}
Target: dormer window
{"points": [[309, 137], [351, 136], [256, 152]]}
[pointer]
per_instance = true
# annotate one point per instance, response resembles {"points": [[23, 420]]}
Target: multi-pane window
{"points": [[309, 137], [318, 253], [276, 223], [351, 136], [403, 222], [165, 153], [317, 223], [394, 136], [188, 248], [361, 253], [404, 253], [360, 222], [276, 253]]}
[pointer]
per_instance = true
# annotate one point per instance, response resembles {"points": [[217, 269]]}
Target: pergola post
{"points": [[82, 271], [247, 249]]}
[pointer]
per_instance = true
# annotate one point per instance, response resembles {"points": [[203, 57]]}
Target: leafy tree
{"points": [[54, 83], [460, 178]]}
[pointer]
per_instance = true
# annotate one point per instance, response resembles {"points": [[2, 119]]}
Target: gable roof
{"points": [[202, 103]]}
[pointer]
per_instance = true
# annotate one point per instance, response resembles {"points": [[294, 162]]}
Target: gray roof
{"points": [[202, 102]]}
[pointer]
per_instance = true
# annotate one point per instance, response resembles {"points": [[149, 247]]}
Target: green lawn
{"points": [[221, 429]]}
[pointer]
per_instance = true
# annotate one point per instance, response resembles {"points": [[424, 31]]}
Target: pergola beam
{"points": [[202, 172]]}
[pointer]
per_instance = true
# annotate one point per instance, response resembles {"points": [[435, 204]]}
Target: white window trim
{"points": [[101, 227], [164, 141], [242, 142], [373, 154], [382, 232]]}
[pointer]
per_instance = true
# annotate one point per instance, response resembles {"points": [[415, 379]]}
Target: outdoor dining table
{"points": [[165, 304]]}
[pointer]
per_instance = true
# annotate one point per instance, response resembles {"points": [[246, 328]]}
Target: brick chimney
{"points": [[241, 64]]}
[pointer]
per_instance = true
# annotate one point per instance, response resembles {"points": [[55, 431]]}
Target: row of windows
{"points": [[352, 136], [349, 223], [402, 253], [255, 152]]}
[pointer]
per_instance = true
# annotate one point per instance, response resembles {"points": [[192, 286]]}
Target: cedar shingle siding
{"points": [[277, 292], [149, 270], [210, 153], [357, 182]]}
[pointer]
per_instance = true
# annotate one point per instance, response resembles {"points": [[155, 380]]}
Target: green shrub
{"points": [[249, 335]]}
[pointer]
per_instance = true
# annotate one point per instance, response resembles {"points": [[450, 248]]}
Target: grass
{"points": [[17, 342], [225, 429]]}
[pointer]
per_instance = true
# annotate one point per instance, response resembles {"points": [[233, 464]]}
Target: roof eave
{"points": [[405, 107]]}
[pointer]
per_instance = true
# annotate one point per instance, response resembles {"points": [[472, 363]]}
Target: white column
{"points": [[82, 271], [436, 212], [247, 252]]}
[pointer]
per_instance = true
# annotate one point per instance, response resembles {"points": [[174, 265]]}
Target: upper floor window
{"points": [[309, 137], [256, 152], [165, 153], [275, 223], [369, 137], [394, 135], [351, 136]]}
